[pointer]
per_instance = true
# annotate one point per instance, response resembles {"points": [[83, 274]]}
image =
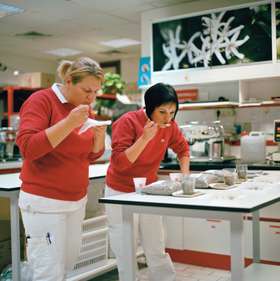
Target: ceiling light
{"points": [[119, 43], [7, 10], [16, 72], [33, 34], [64, 52]]}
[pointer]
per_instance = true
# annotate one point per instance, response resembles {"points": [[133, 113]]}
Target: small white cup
{"points": [[188, 185], [139, 183], [177, 177]]}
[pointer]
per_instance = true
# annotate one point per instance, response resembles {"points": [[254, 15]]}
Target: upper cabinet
{"points": [[222, 44], [259, 92], [236, 94]]}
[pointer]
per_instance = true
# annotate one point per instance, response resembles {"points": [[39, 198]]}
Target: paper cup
{"points": [[139, 183]]}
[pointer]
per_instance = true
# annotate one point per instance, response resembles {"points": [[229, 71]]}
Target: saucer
{"points": [[221, 185], [180, 193]]}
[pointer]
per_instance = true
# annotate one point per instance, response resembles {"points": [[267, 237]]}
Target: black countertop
{"points": [[207, 165]]}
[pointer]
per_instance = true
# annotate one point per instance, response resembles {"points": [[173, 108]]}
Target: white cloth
{"points": [[53, 233], [151, 234], [93, 123]]}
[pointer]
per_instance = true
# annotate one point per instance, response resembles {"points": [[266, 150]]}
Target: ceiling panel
{"points": [[77, 24]]}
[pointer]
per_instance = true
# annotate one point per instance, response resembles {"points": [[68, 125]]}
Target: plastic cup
{"points": [[229, 179], [241, 170], [188, 184], [229, 176], [139, 183], [176, 177]]}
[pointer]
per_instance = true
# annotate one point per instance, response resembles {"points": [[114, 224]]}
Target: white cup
{"points": [[177, 177], [188, 184], [139, 183]]}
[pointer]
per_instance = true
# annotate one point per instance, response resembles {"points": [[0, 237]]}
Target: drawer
{"points": [[174, 229], [270, 241]]}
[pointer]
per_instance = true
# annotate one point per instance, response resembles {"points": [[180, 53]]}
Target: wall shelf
{"points": [[217, 105], [207, 105]]}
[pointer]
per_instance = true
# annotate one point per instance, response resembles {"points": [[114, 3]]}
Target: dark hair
{"points": [[159, 94]]}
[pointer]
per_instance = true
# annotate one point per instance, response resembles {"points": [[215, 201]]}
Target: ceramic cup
{"points": [[139, 183], [188, 184], [177, 177]]}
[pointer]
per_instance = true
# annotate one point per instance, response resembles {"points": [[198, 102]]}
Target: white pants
{"points": [[53, 242], [151, 234]]}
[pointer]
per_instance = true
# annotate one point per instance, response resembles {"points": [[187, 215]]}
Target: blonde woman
{"points": [[55, 169]]}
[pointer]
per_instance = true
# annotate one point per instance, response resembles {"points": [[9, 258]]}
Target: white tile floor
{"points": [[194, 273], [185, 272]]}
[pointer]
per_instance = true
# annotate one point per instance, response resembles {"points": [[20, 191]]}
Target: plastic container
{"points": [[253, 148]]}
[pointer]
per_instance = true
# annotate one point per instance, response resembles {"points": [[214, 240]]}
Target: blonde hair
{"points": [[79, 69]]}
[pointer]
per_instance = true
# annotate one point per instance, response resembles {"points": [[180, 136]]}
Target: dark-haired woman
{"points": [[139, 141]]}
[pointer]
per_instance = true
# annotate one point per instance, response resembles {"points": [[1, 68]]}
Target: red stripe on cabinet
{"points": [[211, 260]]}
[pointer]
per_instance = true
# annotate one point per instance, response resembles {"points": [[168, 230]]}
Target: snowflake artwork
{"points": [[217, 39]]}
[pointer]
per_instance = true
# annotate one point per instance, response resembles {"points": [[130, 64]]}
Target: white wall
{"points": [[25, 64], [129, 68]]}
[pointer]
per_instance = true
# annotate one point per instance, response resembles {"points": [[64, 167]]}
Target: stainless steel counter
{"points": [[206, 165], [11, 164]]}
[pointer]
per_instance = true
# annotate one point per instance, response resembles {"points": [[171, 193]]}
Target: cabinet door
{"points": [[212, 236], [272, 211], [174, 230], [270, 241]]}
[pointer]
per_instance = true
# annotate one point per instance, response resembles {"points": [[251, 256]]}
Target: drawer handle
{"points": [[210, 220], [274, 226]]}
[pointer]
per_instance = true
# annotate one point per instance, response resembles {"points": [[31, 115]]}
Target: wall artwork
{"points": [[144, 72], [231, 36]]}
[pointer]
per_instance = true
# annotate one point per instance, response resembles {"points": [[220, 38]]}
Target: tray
{"points": [[221, 185], [180, 193]]}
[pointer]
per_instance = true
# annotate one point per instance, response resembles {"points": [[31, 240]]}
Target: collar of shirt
{"points": [[56, 88]]}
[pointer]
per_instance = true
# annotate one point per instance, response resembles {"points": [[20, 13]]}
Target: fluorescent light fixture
{"points": [[64, 52], [119, 43], [7, 10]]}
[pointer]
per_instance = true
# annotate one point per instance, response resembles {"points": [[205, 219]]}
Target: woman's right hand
{"points": [[78, 115], [150, 130]]}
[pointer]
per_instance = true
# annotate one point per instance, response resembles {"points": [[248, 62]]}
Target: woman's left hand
{"points": [[99, 138]]}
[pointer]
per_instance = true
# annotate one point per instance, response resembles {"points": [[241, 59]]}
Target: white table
{"points": [[9, 187], [229, 205]]}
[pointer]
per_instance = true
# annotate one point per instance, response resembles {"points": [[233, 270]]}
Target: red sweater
{"points": [[60, 172], [125, 132]]}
